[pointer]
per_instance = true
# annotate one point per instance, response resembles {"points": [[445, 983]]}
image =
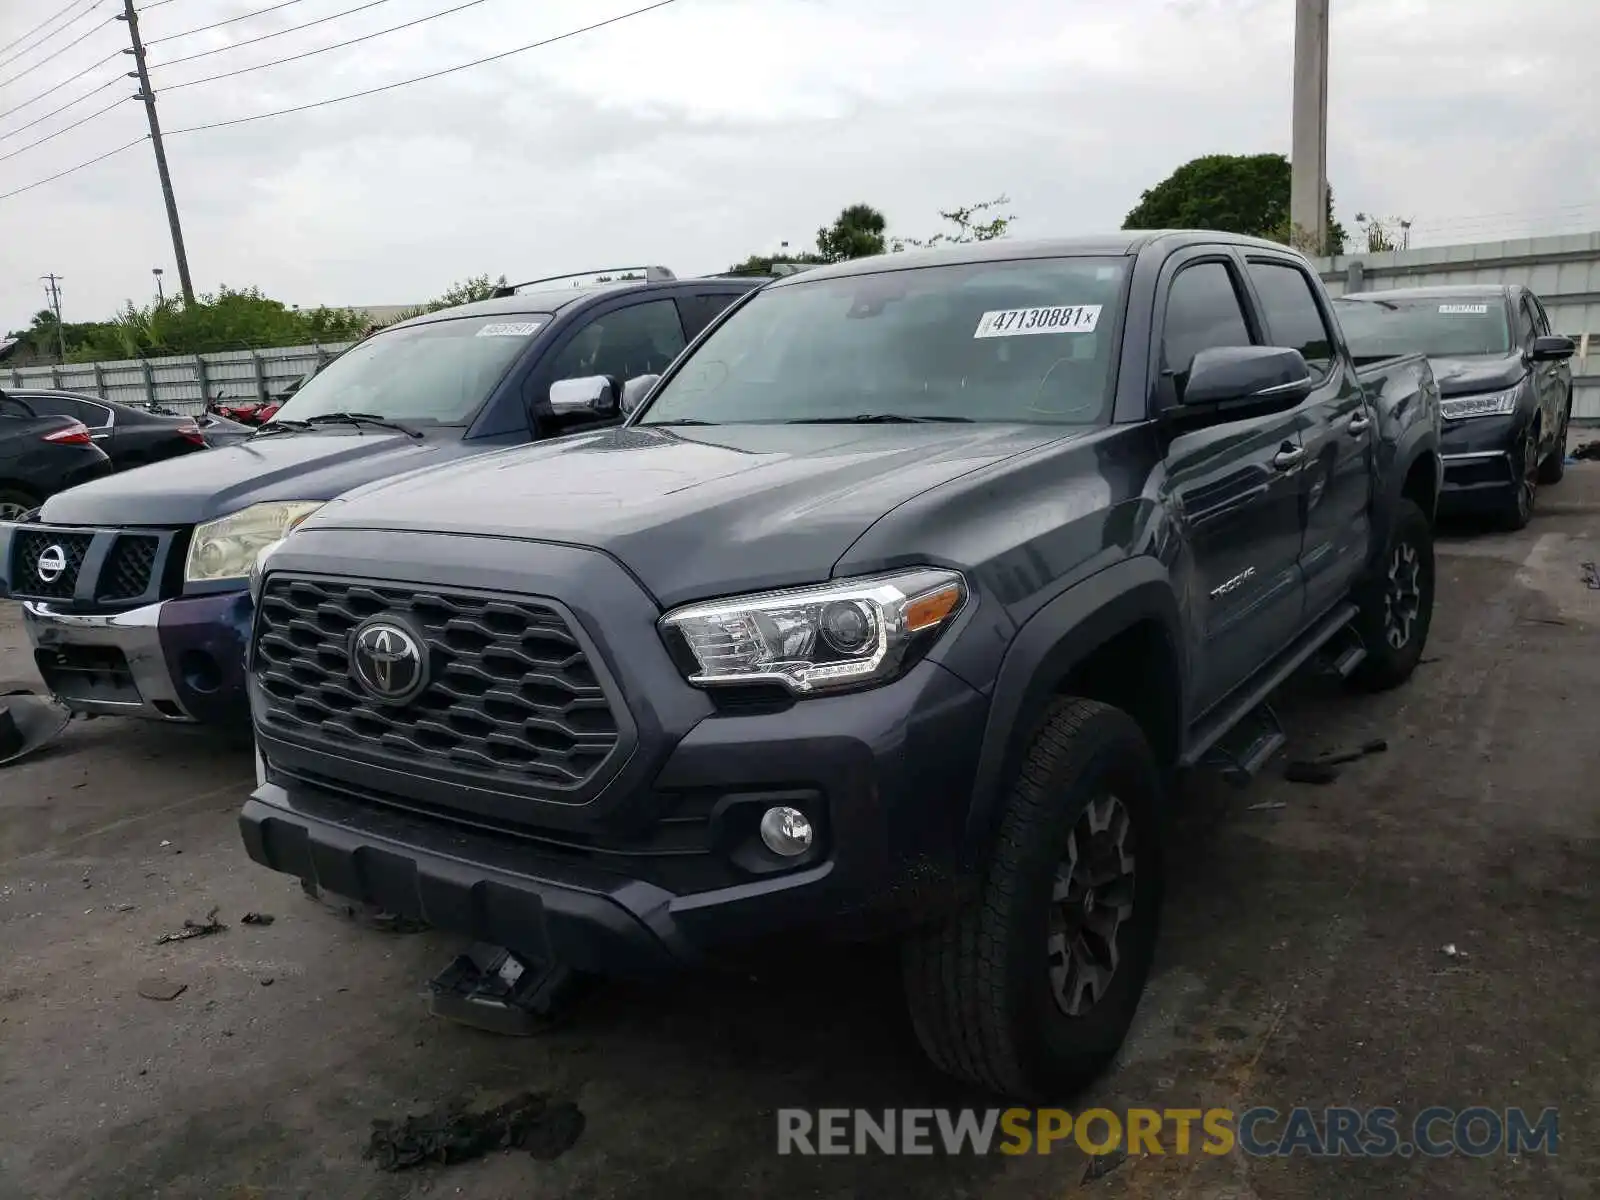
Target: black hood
{"points": [[693, 512], [1477, 373], [279, 466]]}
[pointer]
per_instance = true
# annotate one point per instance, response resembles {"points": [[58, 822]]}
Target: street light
{"points": [[160, 297]]}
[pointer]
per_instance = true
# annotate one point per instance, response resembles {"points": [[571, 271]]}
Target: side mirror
{"points": [[1552, 348], [592, 394], [1231, 382], [634, 392]]}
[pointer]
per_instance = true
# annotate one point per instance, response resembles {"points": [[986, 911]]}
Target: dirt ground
{"points": [[1301, 963]]}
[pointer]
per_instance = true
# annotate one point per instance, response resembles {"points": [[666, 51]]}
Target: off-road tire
{"points": [[978, 984], [1386, 664], [1554, 468]]}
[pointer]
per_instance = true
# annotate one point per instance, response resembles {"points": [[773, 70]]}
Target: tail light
{"points": [[189, 431], [76, 434]]}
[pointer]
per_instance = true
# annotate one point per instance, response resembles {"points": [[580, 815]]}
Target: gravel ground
{"points": [[1301, 964]]}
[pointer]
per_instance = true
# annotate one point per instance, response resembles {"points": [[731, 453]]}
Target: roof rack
{"points": [[649, 274]]}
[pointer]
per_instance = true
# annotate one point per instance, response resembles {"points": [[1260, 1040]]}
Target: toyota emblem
{"points": [[52, 564], [388, 661]]}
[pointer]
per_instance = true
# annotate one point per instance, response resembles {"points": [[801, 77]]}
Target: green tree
{"points": [[464, 291], [967, 226], [856, 232], [1233, 193]]}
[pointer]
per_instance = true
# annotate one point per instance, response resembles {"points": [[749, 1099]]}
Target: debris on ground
{"points": [[1449, 950], [1267, 806], [28, 723], [1587, 450], [1324, 768], [257, 918], [1102, 1165], [266, 981], [165, 844], [158, 988], [497, 990], [1591, 576], [452, 1135], [193, 929]]}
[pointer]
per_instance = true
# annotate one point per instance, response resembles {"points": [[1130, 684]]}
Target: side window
{"points": [[641, 339], [1541, 320], [94, 416], [1203, 312], [699, 311], [1525, 322], [14, 406], [1289, 308]]}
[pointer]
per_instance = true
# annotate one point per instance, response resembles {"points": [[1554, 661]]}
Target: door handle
{"points": [[1360, 423], [1288, 456]]}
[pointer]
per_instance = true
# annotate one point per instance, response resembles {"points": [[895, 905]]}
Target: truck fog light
{"points": [[786, 831]]}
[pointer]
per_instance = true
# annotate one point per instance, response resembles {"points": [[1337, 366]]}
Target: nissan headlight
{"points": [[1489, 404], [227, 547], [814, 639]]}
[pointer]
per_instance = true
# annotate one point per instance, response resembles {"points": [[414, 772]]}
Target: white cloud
{"points": [[699, 133]]}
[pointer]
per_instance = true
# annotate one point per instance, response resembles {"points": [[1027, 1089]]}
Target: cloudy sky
{"points": [[703, 131]]}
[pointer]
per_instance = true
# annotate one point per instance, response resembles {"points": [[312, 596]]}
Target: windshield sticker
{"points": [[1464, 310], [1023, 322], [510, 329]]}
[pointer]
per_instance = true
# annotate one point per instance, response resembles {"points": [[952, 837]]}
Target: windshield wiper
{"points": [[283, 426], [875, 419], [359, 418], [679, 421]]}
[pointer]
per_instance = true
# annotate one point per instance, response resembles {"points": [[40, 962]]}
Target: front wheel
{"points": [[1030, 990], [14, 503], [1396, 604], [1525, 490]]}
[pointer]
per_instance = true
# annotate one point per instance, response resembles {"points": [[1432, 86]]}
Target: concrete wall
{"points": [[182, 383], [1563, 271]]}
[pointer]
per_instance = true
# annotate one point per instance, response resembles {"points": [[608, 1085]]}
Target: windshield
{"points": [[1029, 340], [1439, 327], [434, 374]]}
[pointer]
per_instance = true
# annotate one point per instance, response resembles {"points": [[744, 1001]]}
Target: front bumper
{"points": [[175, 660], [885, 776], [1482, 456]]}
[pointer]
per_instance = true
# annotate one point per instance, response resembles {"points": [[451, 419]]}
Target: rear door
{"points": [[1336, 429], [1235, 485]]}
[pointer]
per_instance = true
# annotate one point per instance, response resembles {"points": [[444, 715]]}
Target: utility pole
{"points": [[52, 289], [1308, 171], [147, 94]]}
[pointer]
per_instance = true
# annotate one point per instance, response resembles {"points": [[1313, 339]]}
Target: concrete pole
{"points": [[1308, 179]]}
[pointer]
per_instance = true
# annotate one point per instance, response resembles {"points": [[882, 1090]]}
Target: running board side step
{"points": [[1239, 714]]}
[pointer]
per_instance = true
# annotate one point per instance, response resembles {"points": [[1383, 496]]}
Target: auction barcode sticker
{"points": [[510, 329], [1022, 322], [1464, 310]]}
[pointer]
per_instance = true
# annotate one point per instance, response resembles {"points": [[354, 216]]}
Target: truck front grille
{"points": [[127, 570], [47, 582], [511, 691]]}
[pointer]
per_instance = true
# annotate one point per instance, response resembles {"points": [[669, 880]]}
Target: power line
{"points": [[389, 87], [276, 33], [57, 53], [278, 62], [260, 12], [50, 137], [69, 79], [48, 20], [28, 187], [10, 133]]}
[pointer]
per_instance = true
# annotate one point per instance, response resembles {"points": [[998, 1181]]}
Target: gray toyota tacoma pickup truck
{"points": [[895, 607]]}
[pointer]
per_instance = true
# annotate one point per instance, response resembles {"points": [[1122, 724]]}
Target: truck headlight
{"points": [[815, 639], [1488, 404], [227, 547]]}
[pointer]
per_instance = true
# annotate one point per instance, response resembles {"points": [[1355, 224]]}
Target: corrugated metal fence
{"points": [[1564, 272], [183, 382]]}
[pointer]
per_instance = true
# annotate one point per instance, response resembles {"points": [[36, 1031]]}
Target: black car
{"points": [[40, 455], [131, 436], [1504, 378]]}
